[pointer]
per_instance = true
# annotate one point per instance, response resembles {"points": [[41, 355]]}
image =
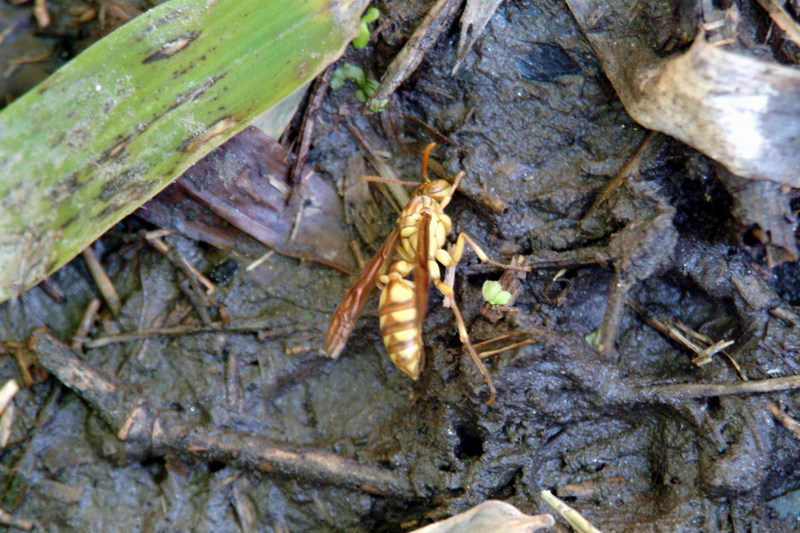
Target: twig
{"points": [[177, 259], [630, 167], [176, 331], [683, 392], [169, 432], [89, 318], [14, 521], [783, 19], [617, 297], [435, 23], [318, 90], [104, 283], [7, 393], [785, 420], [568, 513], [676, 332], [41, 14]]}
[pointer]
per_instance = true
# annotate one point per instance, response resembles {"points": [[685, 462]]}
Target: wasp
{"points": [[418, 241]]}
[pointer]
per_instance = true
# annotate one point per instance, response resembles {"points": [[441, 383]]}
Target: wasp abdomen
{"points": [[400, 325]]}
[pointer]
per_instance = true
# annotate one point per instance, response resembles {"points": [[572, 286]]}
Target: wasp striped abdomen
{"points": [[399, 323]]}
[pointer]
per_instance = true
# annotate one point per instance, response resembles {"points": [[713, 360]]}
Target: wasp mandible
{"points": [[418, 240]]}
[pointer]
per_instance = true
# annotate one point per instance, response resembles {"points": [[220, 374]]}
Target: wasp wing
{"points": [[422, 278], [349, 308]]}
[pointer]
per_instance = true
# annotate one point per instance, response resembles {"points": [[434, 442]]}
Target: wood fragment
{"points": [[785, 420], [103, 281], [568, 513]]}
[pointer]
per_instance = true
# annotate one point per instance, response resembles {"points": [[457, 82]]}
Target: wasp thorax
{"points": [[437, 189]]}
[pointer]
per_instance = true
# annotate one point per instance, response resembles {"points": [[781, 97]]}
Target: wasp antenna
{"points": [[425, 156], [378, 179]]}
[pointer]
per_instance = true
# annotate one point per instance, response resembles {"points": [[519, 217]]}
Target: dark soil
{"points": [[534, 123]]}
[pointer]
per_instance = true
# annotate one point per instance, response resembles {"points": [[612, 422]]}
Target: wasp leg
{"points": [[446, 290], [463, 238]]}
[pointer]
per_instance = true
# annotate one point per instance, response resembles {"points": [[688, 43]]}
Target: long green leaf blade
{"points": [[118, 123]]}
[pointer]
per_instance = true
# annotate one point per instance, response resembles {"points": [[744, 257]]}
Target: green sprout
{"points": [[371, 15], [494, 294], [593, 338], [349, 72]]}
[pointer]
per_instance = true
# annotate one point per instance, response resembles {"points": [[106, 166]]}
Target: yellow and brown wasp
{"points": [[418, 239]]}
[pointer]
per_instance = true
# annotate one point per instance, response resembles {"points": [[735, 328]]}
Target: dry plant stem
{"points": [[88, 320], [674, 333], [609, 329], [783, 19], [53, 290], [107, 289], [630, 168], [191, 272], [681, 392], [785, 420], [318, 90], [424, 37], [7, 393], [13, 521], [568, 513], [6, 424], [168, 432], [214, 327]]}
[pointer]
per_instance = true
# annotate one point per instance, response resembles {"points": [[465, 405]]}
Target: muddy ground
{"points": [[623, 437]]}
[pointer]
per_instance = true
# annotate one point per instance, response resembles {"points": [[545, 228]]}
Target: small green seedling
{"points": [[494, 294], [350, 72], [593, 338], [371, 15]]}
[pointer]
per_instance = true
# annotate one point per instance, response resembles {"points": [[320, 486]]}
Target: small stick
{"points": [[191, 272], [258, 262], [40, 13], [785, 420], [104, 283], [6, 424], [435, 23], [88, 320], [704, 390], [13, 521], [783, 19], [628, 169], [609, 329], [176, 331], [568, 513], [7, 393], [318, 90]]}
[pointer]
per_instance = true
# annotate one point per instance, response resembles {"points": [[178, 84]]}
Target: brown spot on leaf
{"points": [[172, 47]]}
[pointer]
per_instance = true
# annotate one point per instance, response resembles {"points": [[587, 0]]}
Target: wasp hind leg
{"points": [[446, 290]]}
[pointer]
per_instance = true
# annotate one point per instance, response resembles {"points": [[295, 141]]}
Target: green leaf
{"points": [[494, 294], [122, 120], [362, 40]]}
